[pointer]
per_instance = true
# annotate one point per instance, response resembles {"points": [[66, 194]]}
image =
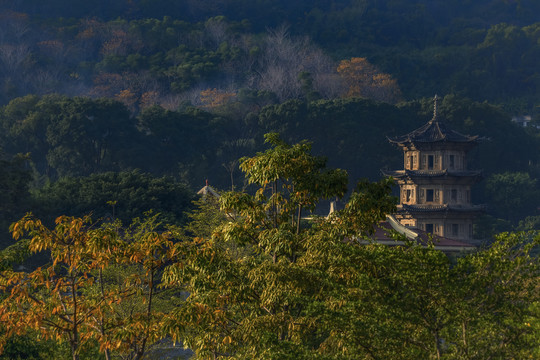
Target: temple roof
{"points": [[429, 208], [383, 235], [208, 190], [430, 173], [435, 130]]}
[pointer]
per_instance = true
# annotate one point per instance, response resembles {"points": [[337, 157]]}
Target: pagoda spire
{"points": [[435, 105]]}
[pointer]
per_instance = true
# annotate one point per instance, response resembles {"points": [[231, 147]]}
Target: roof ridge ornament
{"points": [[434, 130], [435, 101]]}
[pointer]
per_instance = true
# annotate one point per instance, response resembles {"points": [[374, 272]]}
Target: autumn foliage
{"points": [[75, 298], [362, 79], [214, 98]]}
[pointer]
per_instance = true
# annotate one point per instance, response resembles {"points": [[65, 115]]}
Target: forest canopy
{"points": [[248, 278], [114, 113]]}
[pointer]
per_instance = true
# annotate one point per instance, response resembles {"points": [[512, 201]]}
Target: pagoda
{"points": [[435, 184]]}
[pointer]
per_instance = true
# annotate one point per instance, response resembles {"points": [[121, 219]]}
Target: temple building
{"points": [[435, 184]]}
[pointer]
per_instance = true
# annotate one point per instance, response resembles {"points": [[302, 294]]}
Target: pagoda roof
{"points": [[430, 173], [428, 208], [207, 190], [434, 130], [384, 235]]}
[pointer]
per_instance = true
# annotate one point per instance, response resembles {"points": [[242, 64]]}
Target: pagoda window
{"points": [[453, 195], [429, 195], [408, 196], [429, 228], [455, 229], [411, 162], [452, 161], [430, 162]]}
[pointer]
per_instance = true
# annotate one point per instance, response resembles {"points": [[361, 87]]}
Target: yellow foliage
{"points": [[362, 79], [148, 98], [213, 98]]}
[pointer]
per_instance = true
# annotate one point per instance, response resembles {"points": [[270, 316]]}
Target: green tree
{"points": [[24, 123], [494, 298], [133, 324], [71, 136], [132, 194], [514, 195], [529, 223], [257, 286], [87, 136], [14, 197], [264, 285], [173, 137]]}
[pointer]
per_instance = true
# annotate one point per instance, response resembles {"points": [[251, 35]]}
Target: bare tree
{"points": [[284, 58], [216, 31], [13, 27], [45, 81]]}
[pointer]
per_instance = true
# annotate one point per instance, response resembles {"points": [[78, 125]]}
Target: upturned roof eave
{"points": [[398, 174], [408, 140], [440, 208]]}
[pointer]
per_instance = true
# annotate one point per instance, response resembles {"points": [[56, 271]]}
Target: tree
{"points": [[74, 136], [265, 284], [133, 324], [529, 223], [256, 285], [514, 195], [24, 124], [285, 58], [133, 193], [50, 300], [81, 297], [87, 135], [362, 79], [14, 197], [214, 98], [495, 310]]}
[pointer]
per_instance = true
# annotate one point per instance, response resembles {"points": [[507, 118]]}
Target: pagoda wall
{"points": [[435, 194], [434, 160], [453, 226]]}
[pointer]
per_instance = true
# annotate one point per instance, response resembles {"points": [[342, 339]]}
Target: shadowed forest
{"points": [[117, 108], [183, 90]]}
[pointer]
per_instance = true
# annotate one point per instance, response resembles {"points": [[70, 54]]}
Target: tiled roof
{"points": [[442, 207], [384, 235], [434, 131], [431, 173], [208, 190]]}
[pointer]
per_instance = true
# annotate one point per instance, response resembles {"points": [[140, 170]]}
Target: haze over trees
{"points": [[117, 111]]}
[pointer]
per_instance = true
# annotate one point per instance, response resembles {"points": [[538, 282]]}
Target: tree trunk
{"points": [[102, 328]]}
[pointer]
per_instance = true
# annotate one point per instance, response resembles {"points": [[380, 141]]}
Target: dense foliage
{"points": [[120, 108], [84, 140], [147, 52], [256, 281]]}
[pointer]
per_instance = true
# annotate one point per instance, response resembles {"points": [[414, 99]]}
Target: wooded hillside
{"points": [[112, 112]]}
